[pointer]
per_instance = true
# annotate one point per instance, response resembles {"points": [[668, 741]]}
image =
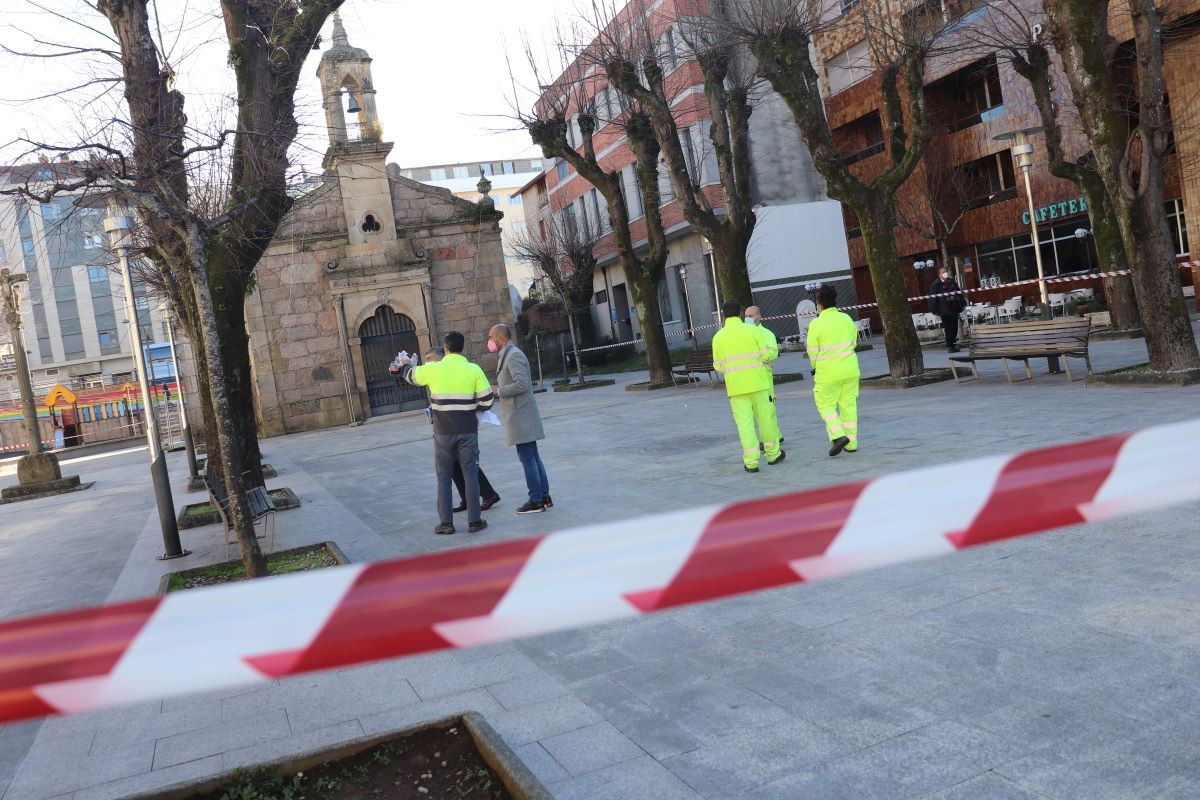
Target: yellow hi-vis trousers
{"points": [[751, 408], [837, 403]]}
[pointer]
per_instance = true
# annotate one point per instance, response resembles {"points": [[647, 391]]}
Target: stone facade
{"points": [[365, 244]]}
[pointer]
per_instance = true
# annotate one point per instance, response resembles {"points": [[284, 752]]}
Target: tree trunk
{"points": [[733, 273], [239, 380], [574, 339], [658, 355], [1110, 248], [225, 429], [900, 341], [1165, 321]]}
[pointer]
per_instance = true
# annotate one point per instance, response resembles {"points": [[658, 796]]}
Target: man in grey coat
{"points": [[519, 415]]}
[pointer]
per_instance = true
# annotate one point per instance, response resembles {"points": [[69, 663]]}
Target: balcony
{"points": [[995, 112], [862, 155]]}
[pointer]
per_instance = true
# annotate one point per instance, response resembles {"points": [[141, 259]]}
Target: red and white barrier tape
{"points": [[861, 306], [257, 631]]}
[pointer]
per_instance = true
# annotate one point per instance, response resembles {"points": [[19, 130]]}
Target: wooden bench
{"points": [[1020, 341], [258, 501], [698, 362]]}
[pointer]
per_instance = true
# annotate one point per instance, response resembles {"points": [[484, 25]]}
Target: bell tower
{"points": [[357, 153], [345, 72]]}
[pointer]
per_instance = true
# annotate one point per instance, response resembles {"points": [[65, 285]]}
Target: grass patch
{"points": [[300, 560]]}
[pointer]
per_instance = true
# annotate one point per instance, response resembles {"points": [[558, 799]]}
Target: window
{"points": [[514, 199], [437, 174], [846, 5], [689, 153], [560, 169], [92, 241], [848, 67], [509, 168], [486, 169], [665, 306], [988, 180], [600, 298], [461, 172], [632, 191], [967, 97], [50, 211], [670, 55], [859, 139], [1178, 225], [602, 221]]}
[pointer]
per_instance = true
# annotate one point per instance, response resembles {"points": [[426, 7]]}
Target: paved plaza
{"points": [[1065, 665]]}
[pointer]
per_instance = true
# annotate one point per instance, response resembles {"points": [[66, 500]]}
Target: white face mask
{"points": [[750, 321]]}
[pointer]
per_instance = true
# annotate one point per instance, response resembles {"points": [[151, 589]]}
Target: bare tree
{"points": [[637, 48], [569, 104], [781, 34], [566, 257], [936, 212], [1012, 30], [207, 259], [1130, 140]]}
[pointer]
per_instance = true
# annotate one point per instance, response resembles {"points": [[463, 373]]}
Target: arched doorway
{"points": [[384, 335]]}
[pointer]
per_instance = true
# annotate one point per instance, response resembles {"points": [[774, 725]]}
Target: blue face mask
{"points": [[750, 321]]}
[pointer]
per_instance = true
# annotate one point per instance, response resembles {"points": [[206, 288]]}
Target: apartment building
{"points": [[973, 99], [798, 237], [74, 318]]}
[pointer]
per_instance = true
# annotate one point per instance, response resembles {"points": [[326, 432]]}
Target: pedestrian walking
{"points": [[520, 417], [771, 344], [458, 389], [741, 356], [832, 337], [948, 305], [488, 496]]}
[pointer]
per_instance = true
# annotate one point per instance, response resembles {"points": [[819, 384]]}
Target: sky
{"points": [[441, 73]]}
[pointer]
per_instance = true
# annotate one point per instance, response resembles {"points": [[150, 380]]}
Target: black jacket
{"points": [[950, 301]]}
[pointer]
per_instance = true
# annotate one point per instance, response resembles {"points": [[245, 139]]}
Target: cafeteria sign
{"points": [[1067, 208]]}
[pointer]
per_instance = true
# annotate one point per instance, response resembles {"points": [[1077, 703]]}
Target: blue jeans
{"points": [[535, 471]]}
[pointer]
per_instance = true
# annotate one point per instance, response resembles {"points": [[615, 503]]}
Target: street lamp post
{"points": [[687, 306], [12, 315], [184, 426], [1022, 151], [119, 228]]}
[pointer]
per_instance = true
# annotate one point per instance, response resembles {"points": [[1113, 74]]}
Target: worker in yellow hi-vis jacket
{"points": [[741, 356], [832, 337], [771, 344]]}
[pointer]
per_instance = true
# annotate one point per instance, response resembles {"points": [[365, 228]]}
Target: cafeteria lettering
{"points": [[1066, 208]]}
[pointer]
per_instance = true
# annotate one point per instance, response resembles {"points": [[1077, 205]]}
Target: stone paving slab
{"points": [[1056, 666]]}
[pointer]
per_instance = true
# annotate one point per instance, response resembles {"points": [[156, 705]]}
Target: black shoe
{"points": [[444, 530], [476, 527], [749, 469], [532, 508], [782, 456], [491, 501], [547, 502], [461, 507], [838, 445]]}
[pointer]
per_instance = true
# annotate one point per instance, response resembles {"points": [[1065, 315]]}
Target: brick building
{"points": [[366, 263], [797, 238], [972, 99]]}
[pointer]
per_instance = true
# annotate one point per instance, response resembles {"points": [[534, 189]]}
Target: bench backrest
{"points": [[699, 359], [1066, 335]]}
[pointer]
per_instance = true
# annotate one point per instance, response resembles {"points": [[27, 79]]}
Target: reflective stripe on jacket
{"points": [[832, 337], [740, 354], [457, 389], [769, 343]]}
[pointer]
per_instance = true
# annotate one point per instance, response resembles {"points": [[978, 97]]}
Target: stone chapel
{"points": [[365, 264]]}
